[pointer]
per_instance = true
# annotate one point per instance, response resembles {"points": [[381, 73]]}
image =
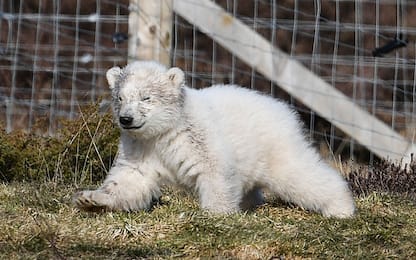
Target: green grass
{"points": [[38, 221]]}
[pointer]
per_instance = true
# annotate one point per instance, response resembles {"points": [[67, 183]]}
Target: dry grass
{"points": [[38, 221]]}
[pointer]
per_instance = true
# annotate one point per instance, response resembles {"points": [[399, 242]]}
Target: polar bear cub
{"points": [[224, 142]]}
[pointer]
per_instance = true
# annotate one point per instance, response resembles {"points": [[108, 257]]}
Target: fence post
{"points": [[150, 30]]}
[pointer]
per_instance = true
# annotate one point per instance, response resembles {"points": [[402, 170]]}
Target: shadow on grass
{"points": [[101, 251]]}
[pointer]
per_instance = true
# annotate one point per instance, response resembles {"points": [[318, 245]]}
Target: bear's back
{"points": [[241, 109], [249, 125]]}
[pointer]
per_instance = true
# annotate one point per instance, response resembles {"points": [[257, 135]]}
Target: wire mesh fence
{"points": [[55, 54]]}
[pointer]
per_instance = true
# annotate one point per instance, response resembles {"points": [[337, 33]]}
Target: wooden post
{"points": [[295, 78], [150, 26]]}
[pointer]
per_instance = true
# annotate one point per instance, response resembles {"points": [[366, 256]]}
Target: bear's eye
{"points": [[120, 99], [145, 98]]}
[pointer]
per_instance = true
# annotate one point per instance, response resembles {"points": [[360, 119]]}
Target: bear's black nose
{"points": [[126, 120]]}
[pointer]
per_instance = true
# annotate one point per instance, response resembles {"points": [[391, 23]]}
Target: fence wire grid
{"points": [[54, 55]]}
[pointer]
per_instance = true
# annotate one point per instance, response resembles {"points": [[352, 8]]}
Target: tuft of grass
{"points": [[383, 177], [82, 151]]}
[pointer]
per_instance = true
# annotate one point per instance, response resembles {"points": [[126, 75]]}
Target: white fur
{"points": [[225, 142]]}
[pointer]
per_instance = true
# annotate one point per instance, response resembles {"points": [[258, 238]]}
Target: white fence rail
{"points": [[294, 78]]}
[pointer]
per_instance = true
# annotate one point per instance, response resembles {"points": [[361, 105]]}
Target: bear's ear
{"points": [[176, 76], [112, 75]]}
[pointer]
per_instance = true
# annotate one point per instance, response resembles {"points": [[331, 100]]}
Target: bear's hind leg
{"points": [[315, 187]]}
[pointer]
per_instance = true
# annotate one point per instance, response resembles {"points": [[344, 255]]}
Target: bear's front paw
{"points": [[87, 200]]}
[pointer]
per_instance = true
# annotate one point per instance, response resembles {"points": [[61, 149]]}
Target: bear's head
{"points": [[147, 98]]}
